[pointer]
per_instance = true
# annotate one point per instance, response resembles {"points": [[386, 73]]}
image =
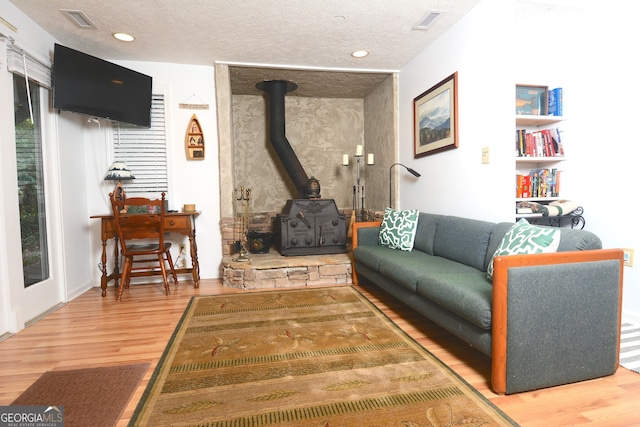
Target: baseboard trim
{"points": [[43, 315]]}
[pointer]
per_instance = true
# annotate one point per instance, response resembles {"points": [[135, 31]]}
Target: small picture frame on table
{"points": [[532, 100]]}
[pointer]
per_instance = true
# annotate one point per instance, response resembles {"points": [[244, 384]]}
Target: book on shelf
{"points": [[558, 142], [523, 186], [540, 143], [538, 183], [555, 102]]}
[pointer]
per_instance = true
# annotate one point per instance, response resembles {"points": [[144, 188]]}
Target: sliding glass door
{"points": [[31, 188], [35, 156]]}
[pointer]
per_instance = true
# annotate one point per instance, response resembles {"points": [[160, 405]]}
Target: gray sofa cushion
{"points": [[427, 226], [407, 269], [370, 255], [498, 232], [463, 240], [404, 268], [463, 290], [578, 240]]}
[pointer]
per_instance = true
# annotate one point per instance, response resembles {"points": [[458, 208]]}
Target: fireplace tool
{"points": [[241, 223]]}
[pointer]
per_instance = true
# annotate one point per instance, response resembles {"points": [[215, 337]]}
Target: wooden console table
{"points": [[175, 222]]}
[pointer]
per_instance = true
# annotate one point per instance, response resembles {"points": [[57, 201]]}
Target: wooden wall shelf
{"points": [[194, 140]]}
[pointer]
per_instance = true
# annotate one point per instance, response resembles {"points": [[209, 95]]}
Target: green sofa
{"points": [[543, 319]]}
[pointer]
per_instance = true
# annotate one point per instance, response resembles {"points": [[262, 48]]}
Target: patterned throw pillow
{"points": [[524, 238], [398, 229]]}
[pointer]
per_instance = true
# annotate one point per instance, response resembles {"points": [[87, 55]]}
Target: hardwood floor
{"points": [[93, 331]]}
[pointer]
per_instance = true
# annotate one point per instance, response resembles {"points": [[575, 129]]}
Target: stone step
{"points": [[273, 270]]}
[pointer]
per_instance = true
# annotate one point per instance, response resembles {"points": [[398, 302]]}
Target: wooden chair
{"points": [[140, 226]]}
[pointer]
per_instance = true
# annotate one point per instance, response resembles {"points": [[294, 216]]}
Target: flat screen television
{"points": [[88, 85]]}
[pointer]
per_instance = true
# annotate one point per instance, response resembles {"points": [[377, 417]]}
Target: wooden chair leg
{"points": [[126, 276], [173, 270], [163, 269], [125, 282]]}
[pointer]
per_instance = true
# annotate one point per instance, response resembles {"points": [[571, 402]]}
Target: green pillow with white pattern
{"points": [[398, 229], [524, 238]]}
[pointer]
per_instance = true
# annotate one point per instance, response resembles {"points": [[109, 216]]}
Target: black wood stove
{"points": [[312, 226], [309, 225]]}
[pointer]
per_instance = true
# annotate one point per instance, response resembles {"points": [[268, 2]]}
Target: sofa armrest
{"points": [[362, 233], [365, 233], [555, 318]]}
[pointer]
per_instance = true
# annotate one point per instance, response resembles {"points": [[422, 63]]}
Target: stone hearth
{"points": [[273, 270]]}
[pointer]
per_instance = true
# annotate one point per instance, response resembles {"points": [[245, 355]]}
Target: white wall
{"points": [[189, 181], [602, 65], [455, 182], [73, 195], [585, 51]]}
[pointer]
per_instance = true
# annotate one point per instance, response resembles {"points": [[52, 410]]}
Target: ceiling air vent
{"points": [[78, 17], [428, 20]]}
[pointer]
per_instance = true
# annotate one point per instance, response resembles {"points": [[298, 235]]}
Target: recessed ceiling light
{"points": [[360, 53], [124, 37]]}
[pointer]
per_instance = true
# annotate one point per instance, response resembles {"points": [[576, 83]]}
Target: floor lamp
{"points": [[411, 171]]}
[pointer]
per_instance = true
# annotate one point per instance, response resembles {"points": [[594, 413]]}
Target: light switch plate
{"points": [[628, 257], [485, 155]]}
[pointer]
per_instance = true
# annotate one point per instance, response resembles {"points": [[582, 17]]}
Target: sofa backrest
{"points": [[473, 242], [578, 240], [570, 240], [463, 240], [426, 232], [499, 230]]}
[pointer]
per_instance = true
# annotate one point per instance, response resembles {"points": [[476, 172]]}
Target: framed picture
{"points": [[196, 153], [436, 118], [531, 100]]}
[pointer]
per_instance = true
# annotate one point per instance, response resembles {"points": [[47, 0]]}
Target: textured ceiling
{"points": [[297, 40], [325, 84], [300, 33]]}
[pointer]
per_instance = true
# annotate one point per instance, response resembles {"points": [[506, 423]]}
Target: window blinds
{"points": [[36, 70], [144, 150]]}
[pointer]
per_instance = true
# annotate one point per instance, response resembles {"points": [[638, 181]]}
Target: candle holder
{"points": [[358, 189]]}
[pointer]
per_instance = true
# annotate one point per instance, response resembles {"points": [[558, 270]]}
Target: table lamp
{"points": [[118, 171]]}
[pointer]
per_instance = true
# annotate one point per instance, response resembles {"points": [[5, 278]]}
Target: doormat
{"points": [[90, 396]]}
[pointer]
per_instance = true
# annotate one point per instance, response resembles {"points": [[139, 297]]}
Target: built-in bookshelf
{"points": [[539, 153]]}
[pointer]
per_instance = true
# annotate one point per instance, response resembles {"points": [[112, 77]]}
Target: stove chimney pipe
{"points": [[276, 90]]}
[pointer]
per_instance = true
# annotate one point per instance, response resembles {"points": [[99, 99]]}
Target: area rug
{"points": [[90, 397], [303, 357]]}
